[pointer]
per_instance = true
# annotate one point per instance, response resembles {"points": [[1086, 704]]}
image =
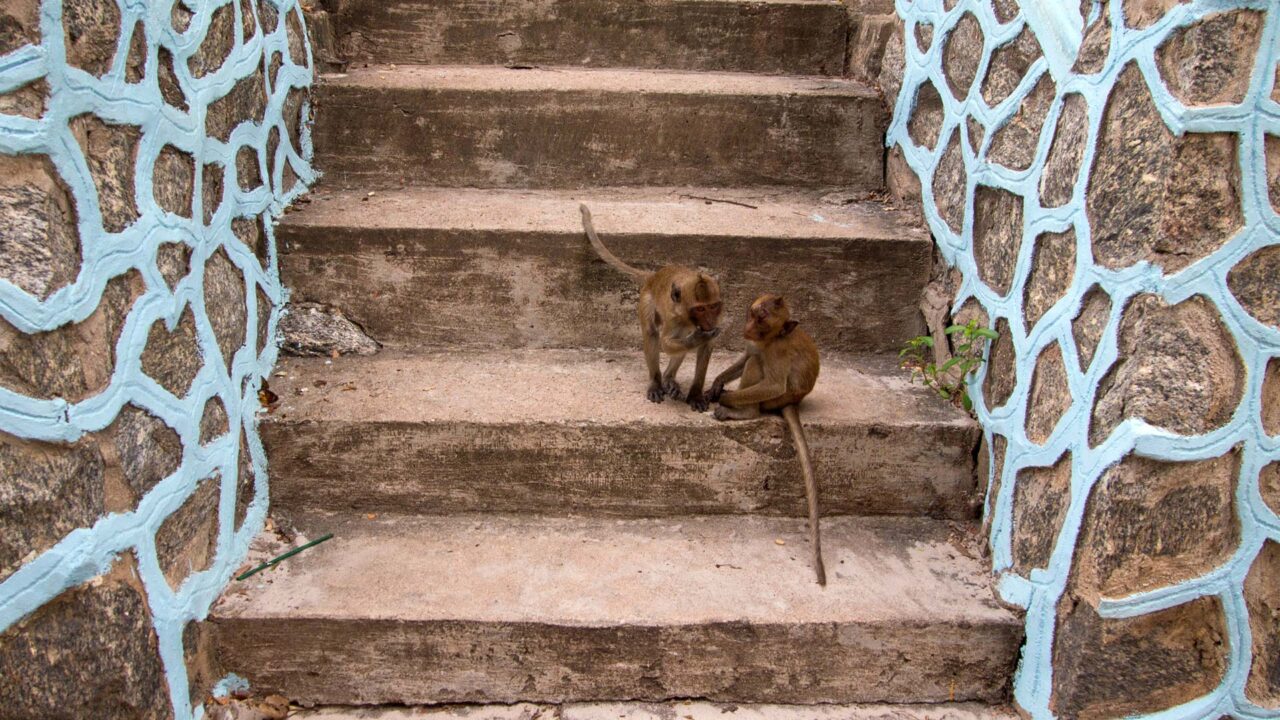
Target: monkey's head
{"points": [[768, 319], [699, 296]]}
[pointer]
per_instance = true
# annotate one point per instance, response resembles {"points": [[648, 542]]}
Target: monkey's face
{"points": [[706, 315], [766, 319], [702, 295]]}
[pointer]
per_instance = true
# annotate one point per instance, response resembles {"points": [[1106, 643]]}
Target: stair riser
{"points": [[787, 38], [486, 290], [631, 471], [391, 137], [399, 662]]}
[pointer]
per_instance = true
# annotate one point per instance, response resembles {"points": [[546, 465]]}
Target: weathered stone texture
{"points": [[1177, 368], [1262, 597], [1014, 145], [170, 88], [1269, 486], [147, 449], [244, 481], [172, 358], [926, 118], [924, 36], [111, 152], [1088, 325], [92, 30], [1040, 500], [892, 65], [213, 421], [1114, 668], [264, 320], [1211, 61], [1053, 266], [72, 361], [1271, 398], [1009, 64], [40, 245], [19, 24], [89, 653], [245, 102], [961, 55], [135, 65], [1253, 282], [46, 491], [224, 291], [248, 171], [1142, 13], [1149, 197], [997, 236], [294, 28], [1095, 46], [1050, 395], [310, 329], [174, 181], [211, 191], [1005, 10], [251, 232], [187, 539], [28, 101], [901, 181], [1272, 146], [949, 180], [991, 458], [1062, 167], [217, 43], [1151, 523], [976, 133], [998, 385], [868, 38], [173, 260]]}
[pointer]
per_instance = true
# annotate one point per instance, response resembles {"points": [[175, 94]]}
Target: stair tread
{"points": [[667, 711], [491, 78], [571, 386], [774, 214], [587, 572]]}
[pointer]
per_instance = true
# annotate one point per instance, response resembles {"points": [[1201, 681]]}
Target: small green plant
{"points": [[948, 380]]}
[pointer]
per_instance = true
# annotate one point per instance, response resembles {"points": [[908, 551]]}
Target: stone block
{"points": [[147, 449], [311, 329], [216, 46], [1009, 64], [188, 538], [19, 25], [174, 181], [28, 101], [40, 245], [1040, 500], [1142, 13], [1262, 598], [1001, 373], [1090, 322], [1053, 267], [1014, 144], [1066, 152], [869, 37], [961, 55], [949, 181], [213, 421], [1094, 48], [92, 30], [997, 236], [1253, 282], [173, 358], [111, 151], [1050, 395], [224, 302], [1271, 397], [926, 117], [1210, 62]]}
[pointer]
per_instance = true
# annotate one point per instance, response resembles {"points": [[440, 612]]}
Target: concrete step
{"points": [[480, 269], [388, 126], [687, 710], [476, 609], [800, 37], [571, 432]]}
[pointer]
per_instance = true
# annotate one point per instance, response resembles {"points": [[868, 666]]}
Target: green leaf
{"points": [[950, 364], [989, 334], [966, 402], [954, 329]]}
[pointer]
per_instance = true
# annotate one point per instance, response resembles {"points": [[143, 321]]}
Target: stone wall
{"points": [[145, 147], [1105, 179]]}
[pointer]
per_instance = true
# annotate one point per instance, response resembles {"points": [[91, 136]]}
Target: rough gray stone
{"points": [[188, 538], [1050, 395], [19, 24], [1272, 146], [1005, 10], [949, 181], [1040, 500], [217, 43], [892, 67], [244, 481], [40, 245], [297, 36], [173, 260], [111, 152], [1001, 376], [170, 88], [72, 361], [926, 118], [245, 102], [901, 180], [1009, 64], [250, 232], [1253, 282], [46, 491], [1096, 45], [248, 171], [1014, 144], [148, 450], [1062, 167], [1262, 597], [224, 302], [135, 66], [1154, 197], [1186, 342], [1210, 62], [997, 236], [174, 181], [868, 39], [924, 36], [89, 653], [1088, 325], [310, 329], [1271, 398], [211, 194], [92, 30], [213, 421], [1142, 13], [961, 55], [1053, 265], [28, 101], [1108, 668], [173, 359], [1269, 486], [976, 133]]}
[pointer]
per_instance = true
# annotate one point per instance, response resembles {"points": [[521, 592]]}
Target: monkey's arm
{"points": [[766, 389], [731, 373], [696, 338], [696, 399]]}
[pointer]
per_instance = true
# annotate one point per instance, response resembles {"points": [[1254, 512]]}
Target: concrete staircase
{"points": [[513, 521]]}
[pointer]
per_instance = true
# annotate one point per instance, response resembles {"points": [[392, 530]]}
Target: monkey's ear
{"points": [[675, 293], [788, 326]]}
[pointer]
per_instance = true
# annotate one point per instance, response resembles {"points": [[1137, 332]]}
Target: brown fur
{"points": [[777, 372], [679, 312]]}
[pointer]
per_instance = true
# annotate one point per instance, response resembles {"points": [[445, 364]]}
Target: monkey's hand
{"points": [[722, 413], [698, 338], [656, 392], [717, 389], [699, 402], [671, 389]]}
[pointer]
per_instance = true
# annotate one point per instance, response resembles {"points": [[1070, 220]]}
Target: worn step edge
{"points": [[571, 431], [508, 608], [666, 711]]}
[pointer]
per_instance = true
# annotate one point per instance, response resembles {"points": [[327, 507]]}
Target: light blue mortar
{"points": [[87, 552], [1058, 28]]}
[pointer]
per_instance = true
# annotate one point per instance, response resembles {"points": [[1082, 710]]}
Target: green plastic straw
{"points": [[282, 556]]}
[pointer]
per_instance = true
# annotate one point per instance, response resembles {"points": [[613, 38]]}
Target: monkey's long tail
{"points": [[792, 414], [603, 251]]}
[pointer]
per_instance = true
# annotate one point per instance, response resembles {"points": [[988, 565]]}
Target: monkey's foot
{"points": [[656, 393], [699, 402], [672, 390], [722, 413]]}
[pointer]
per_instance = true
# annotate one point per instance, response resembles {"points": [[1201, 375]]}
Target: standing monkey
{"points": [[778, 369], [679, 311]]}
